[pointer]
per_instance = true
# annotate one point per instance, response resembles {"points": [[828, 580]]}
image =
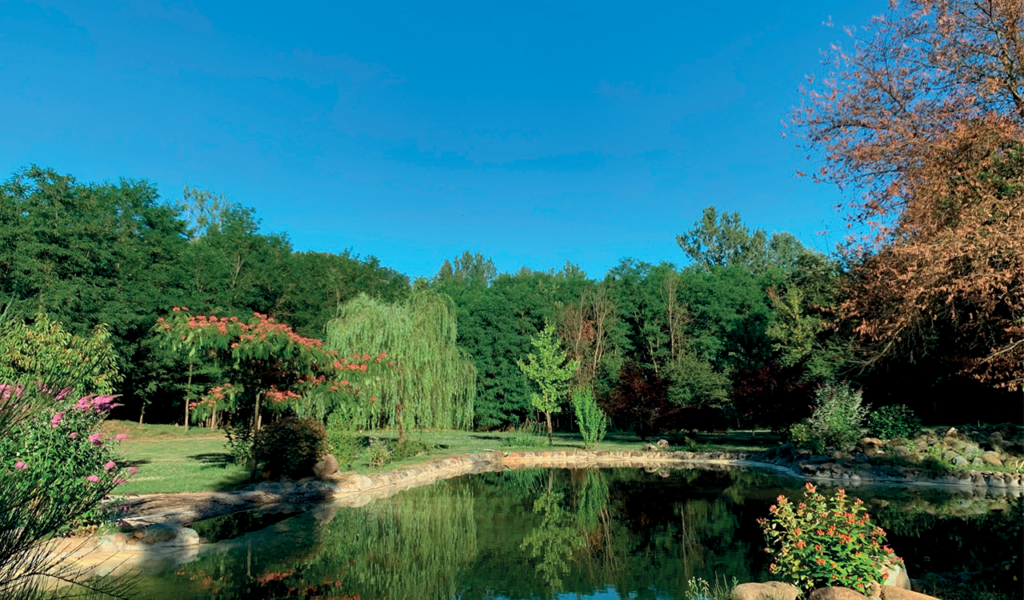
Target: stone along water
{"points": [[540, 533]]}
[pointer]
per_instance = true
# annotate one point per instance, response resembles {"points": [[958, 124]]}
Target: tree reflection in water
{"points": [[537, 533]]}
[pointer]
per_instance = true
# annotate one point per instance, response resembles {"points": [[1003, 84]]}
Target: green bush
{"points": [[290, 447], [527, 435], [592, 421], [343, 439], [825, 542], [803, 436], [408, 449], [379, 453], [891, 422], [836, 421]]}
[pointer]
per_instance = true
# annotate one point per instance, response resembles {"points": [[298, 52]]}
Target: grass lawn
{"points": [[169, 460]]}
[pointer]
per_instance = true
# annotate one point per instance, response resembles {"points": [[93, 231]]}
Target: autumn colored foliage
{"points": [[924, 117]]}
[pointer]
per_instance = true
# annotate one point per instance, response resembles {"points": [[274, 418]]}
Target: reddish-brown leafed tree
{"points": [[923, 120]]}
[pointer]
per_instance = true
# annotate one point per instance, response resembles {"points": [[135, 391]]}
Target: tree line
{"points": [[920, 122]]}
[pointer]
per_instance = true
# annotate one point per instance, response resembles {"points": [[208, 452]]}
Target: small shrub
{"points": [[240, 445], [378, 452], [527, 435], [408, 449], [290, 447], [825, 542], [836, 421], [592, 421], [803, 436], [343, 439], [896, 421], [698, 588], [690, 444]]}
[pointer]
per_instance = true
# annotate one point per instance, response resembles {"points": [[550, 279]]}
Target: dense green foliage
{"points": [[431, 383], [836, 421], [289, 447], [44, 352], [741, 335], [591, 420], [891, 422], [115, 254]]}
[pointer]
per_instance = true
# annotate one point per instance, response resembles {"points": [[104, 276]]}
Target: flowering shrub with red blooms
{"points": [[267, 360], [826, 542]]}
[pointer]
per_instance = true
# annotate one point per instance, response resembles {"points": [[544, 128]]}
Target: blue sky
{"points": [[534, 133]]}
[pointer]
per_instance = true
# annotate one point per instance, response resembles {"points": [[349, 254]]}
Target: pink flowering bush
{"points": [[825, 542], [55, 449]]}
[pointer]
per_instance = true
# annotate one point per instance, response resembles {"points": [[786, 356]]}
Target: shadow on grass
{"points": [[213, 460]]}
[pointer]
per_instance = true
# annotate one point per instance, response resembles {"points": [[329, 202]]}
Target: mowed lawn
{"points": [[170, 460]]}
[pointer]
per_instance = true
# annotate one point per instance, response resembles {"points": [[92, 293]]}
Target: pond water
{"points": [[540, 533]]}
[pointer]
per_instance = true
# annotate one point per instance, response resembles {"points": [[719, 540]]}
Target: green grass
{"points": [[169, 460]]}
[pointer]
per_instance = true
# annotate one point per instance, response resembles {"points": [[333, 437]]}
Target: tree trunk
{"points": [[547, 414], [401, 427], [142, 412], [188, 393], [256, 414]]}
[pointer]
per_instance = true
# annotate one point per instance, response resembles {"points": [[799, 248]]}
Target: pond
{"points": [[542, 533]]}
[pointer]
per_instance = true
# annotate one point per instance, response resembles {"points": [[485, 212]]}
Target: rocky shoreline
{"points": [[162, 536]]}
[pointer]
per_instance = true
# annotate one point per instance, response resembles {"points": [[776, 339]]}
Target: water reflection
{"points": [[546, 533]]}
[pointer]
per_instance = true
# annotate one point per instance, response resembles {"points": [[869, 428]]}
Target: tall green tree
{"points": [[551, 371], [44, 352], [433, 382]]}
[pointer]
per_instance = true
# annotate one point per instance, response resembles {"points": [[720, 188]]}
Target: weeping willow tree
{"points": [[432, 382]]}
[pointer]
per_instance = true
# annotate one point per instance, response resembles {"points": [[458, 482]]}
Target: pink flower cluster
{"points": [[96, 403]]}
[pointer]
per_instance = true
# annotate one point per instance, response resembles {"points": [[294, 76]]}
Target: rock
{"points": [[870, 441], [327, 466], [890, 593], [836, 593], [650, 448], [895, 576], [159, 532], [187, 537], [977, 462], [959, 461], [971, 449], [770, 590], [902, 451], [991, 458], [663, 444], [139, 534], [951, 432]]}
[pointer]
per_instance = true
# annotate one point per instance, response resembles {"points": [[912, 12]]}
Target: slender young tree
{"points": [[550, 370]]}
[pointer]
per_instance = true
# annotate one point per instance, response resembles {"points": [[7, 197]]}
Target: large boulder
{"points": [[169, 535], [896, 576], [770, 590], [159, 532], [836, 593], [892, 593], [663, 444], [991, 458], [327, 466]]}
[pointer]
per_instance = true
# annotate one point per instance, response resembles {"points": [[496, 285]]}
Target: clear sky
{"points": [[534, 133]]}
